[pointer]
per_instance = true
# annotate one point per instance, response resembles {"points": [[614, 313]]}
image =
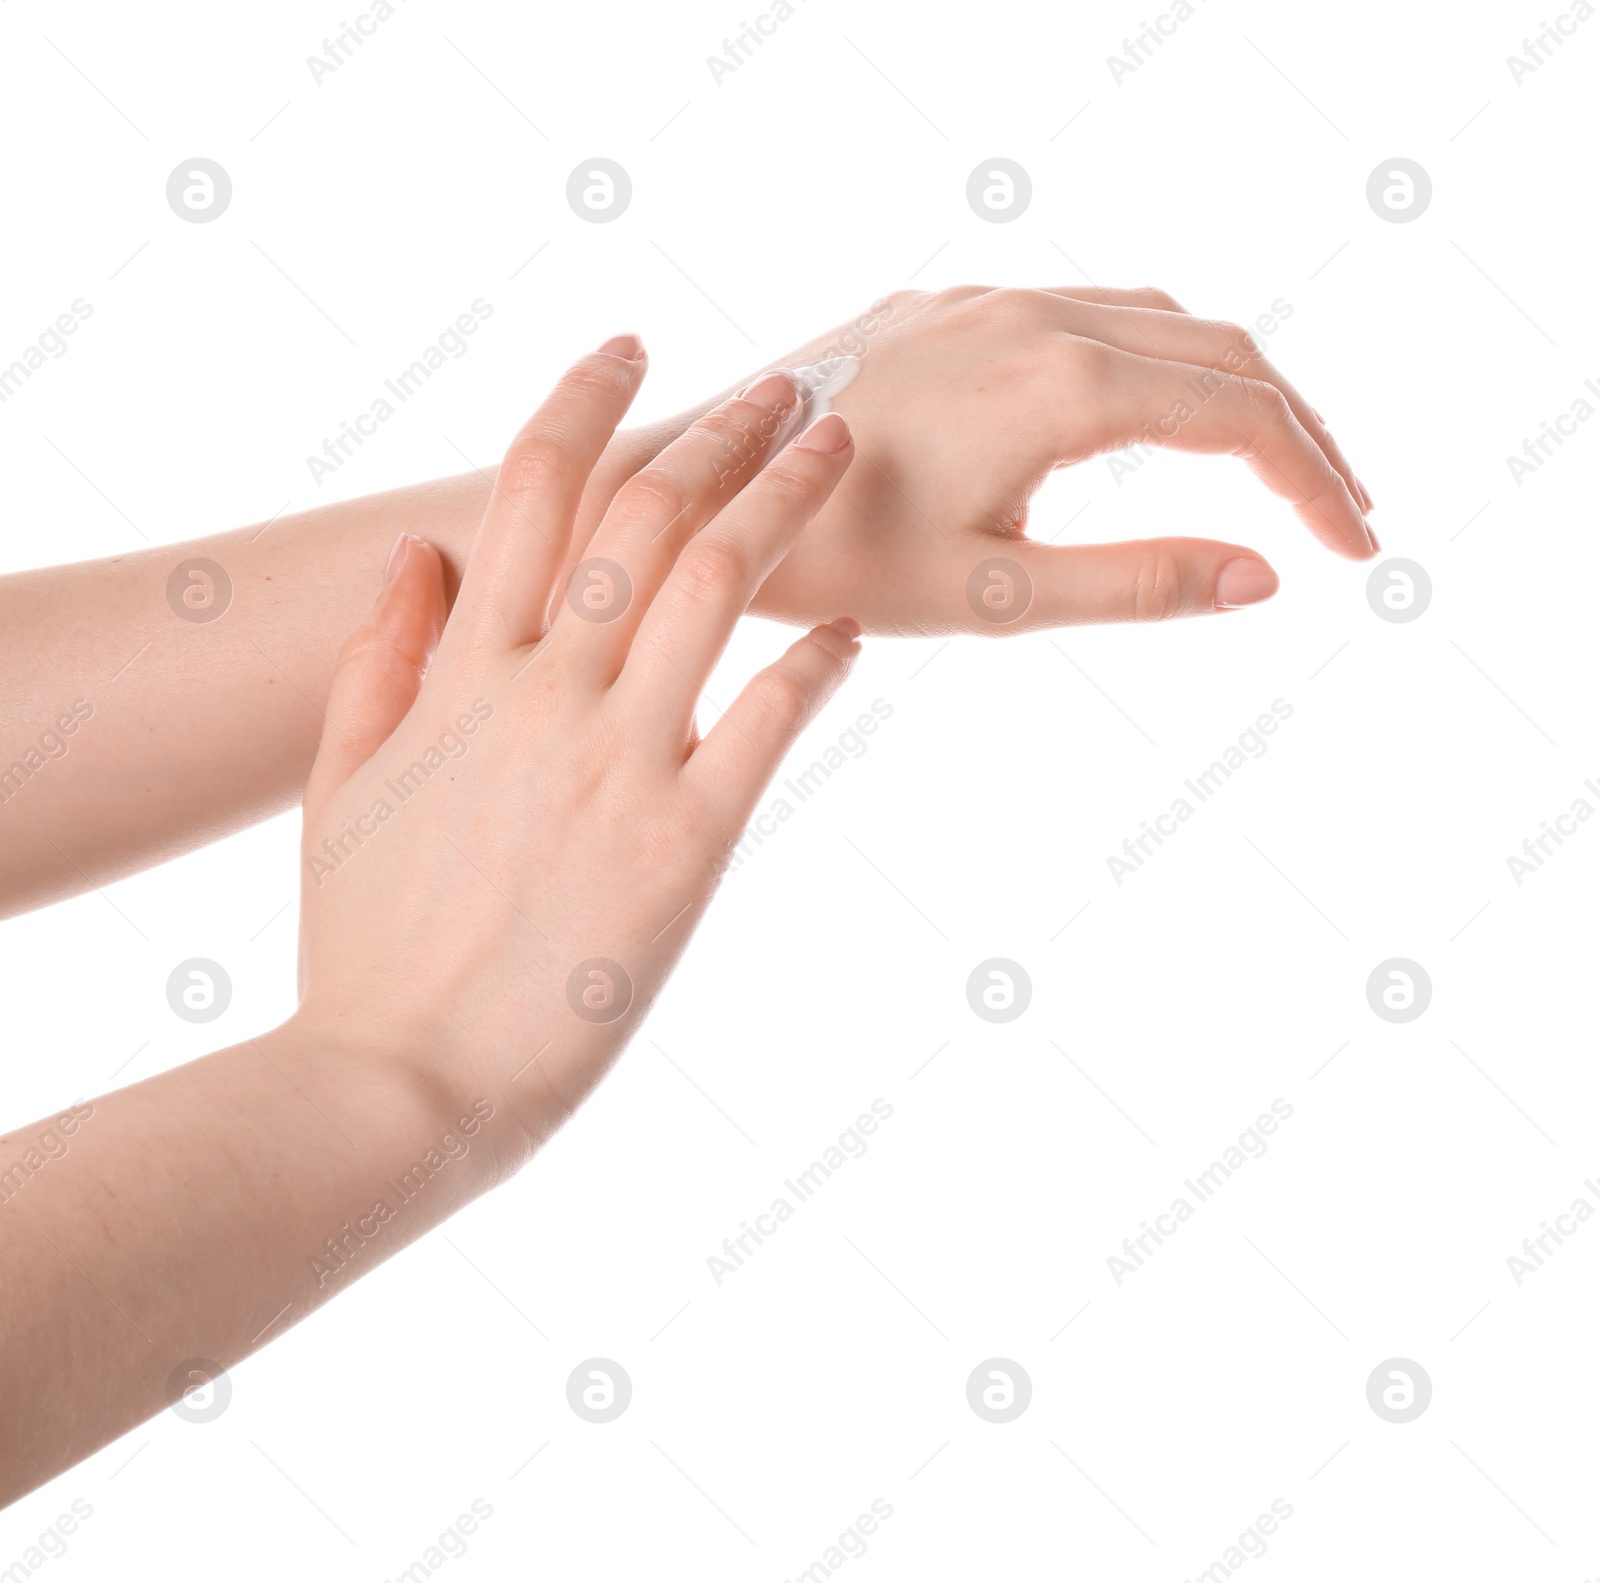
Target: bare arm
{"points": [[154, 1237], [966, 400], [188, 727], [548, 769]]}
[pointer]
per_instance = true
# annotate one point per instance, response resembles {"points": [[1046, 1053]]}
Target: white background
{"points": [[1169, 1411]]}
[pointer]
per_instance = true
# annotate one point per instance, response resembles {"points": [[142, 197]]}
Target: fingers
{"points": [[656, 512], [380, 667], [742, 752], [1143, 580], [1151, 401], [510, 574], [1207, 343], [718, 572], [1146, 327]]}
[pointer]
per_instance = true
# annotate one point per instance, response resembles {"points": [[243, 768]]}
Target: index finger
{"points": [[522, 541]]}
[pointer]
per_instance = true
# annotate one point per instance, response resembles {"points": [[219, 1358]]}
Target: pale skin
{"points": [[967, 400], [450, 997]]}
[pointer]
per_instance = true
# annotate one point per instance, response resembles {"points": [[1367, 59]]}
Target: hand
{"points": [[504, 856], [968, 398]]}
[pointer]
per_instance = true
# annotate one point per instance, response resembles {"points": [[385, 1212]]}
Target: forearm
{"points": [[190, 726], [152, 1238], [199, 1214]]}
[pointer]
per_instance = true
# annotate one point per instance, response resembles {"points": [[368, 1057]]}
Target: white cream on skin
{"points": [[816, 385], [818, 382]]}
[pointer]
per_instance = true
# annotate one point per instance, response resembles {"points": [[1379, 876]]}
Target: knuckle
{"points": [[950, 298], [712, 567], [1236, 345], [1269, 404], [1158, 589], [780, 700], [364, 644], [788, 486], [735, 445], [536, 459], [1155, 297], [726, 428], [1086, 359], [370, 653], [1011, 304], [653, 494]]}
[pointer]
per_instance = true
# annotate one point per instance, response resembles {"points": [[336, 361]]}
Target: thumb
{"points": [[380, 667], [1139, 580]]}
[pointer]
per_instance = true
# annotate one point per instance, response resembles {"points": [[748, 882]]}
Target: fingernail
{"points": [[1371, 535], [397, 558], [1361, 485], [771, 390], [625, 346], [1244, 582], [847, 626], [829, 434]]}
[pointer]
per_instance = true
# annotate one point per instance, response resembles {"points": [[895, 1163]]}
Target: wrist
{"points": [[404, 1089]]}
